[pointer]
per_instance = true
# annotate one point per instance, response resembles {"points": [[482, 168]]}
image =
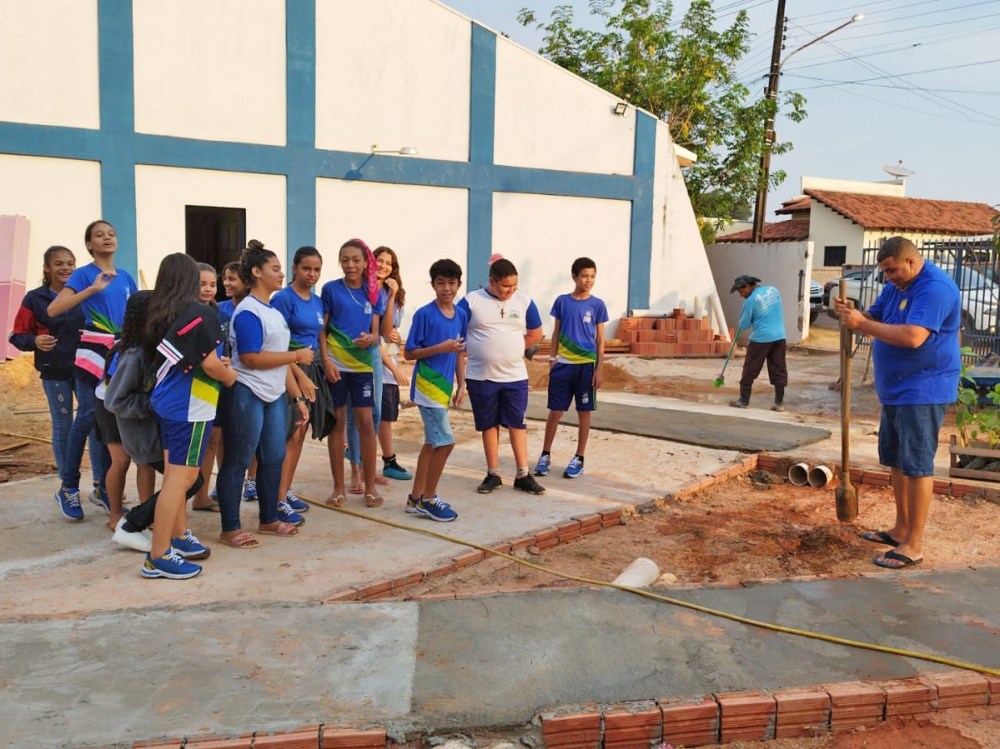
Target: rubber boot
{"points": [[779, 398], [744, 399]]}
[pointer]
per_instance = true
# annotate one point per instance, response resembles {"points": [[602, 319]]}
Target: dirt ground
{"points": [[750, 528]]}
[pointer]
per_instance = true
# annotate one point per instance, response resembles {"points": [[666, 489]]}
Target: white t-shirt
{"points": [[268, 332], [496, 335]]}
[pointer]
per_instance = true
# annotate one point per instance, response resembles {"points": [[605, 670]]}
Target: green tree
{"points": [[685, 75]]}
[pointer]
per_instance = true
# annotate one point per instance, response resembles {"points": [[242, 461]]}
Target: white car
{"points": [[980, 296]]}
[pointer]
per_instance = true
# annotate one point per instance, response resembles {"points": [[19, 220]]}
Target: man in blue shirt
{"points": [[914, 325], [762, 312]]}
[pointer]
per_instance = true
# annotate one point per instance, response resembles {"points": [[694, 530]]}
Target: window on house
{"points": [[215, 236], [834, 255]]}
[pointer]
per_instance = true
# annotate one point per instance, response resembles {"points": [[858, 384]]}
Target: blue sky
{"points": [[923, 86]]}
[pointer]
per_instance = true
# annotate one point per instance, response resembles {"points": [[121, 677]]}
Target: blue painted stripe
{"points": [[117, 106], [482, 134], [300, 76], [641, 229]]}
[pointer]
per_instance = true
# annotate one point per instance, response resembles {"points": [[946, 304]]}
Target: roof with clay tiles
{"points": [[909, 214], [795, 230]]}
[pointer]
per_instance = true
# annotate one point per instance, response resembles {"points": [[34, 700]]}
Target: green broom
{"points": [[721, 379]]}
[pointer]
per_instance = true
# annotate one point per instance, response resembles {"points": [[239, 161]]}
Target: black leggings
{"points": [[140, 517]]}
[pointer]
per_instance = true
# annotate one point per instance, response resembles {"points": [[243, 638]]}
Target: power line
{"points": [[900, 75]]}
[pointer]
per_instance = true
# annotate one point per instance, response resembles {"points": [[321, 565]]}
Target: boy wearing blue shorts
{"points": [[575, 368], [437, 344]]}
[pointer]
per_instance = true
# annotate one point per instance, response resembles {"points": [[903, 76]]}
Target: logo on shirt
{"points": [[515, 315], [902, 304], [368, 308], [588, 317], [319, 317]]}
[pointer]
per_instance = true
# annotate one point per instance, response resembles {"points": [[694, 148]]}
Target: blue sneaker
{"points": [[250, 491], [171, 566], [214, 495], [412, 505], [575, 468], [435, 509], [393, 470], [542, 466], [188, 546], [294, 502], [99, 498], [69, 503], [287, 515]]}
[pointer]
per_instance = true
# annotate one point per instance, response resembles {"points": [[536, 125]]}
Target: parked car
{"points": [[830, 286], [815, 300], [980, 296]]}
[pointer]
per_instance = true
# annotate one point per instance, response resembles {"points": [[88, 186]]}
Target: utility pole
{"points": [[771, 93]]}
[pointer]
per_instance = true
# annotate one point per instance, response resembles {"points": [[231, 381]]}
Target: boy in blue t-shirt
{"points": [[437, 343], [575, 367]]}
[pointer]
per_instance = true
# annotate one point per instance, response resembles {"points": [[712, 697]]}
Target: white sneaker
{"points": [[141, 541]]}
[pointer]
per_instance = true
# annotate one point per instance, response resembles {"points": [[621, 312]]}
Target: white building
{"points": [[198, 124]]}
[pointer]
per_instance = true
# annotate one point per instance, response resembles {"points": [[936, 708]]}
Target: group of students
{"points": [[171, 381]]}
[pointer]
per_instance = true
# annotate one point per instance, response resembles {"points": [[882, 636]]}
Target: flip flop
{"points": [[880, 537], [904, 561], [373, 500], [241, 541], [211, 507], [284, 530], [336, 500]]}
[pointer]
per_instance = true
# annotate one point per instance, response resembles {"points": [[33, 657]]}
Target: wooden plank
{"points": [[32, 411], [978, 452], [14, 446], [968, 473]]}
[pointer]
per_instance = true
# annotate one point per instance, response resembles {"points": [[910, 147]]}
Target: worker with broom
{"points": [[914, 326], [762, 312]]}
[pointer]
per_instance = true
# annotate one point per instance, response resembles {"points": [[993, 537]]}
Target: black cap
{"points": [[742, 281]]}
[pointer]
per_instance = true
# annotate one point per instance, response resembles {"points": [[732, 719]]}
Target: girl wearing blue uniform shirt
{"points": [[185, 334], [255, 418], [101, 291], [351, 324], [303, 311]]}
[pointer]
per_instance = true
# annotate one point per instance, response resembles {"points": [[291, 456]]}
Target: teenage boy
{"points": [[575, 371], [437, 344], [503, 324]]}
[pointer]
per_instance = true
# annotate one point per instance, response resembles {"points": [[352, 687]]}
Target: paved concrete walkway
{"points": [[90, 653]]}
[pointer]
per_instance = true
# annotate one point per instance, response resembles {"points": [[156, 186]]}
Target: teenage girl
{"points": [[303, 311], [351, 322], [393, 377], [54, 341], [255, 418], [208, 285], [101, 291], [185, 335]]}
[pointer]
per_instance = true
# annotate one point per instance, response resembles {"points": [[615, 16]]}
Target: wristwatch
{"points": [[300, 399]]}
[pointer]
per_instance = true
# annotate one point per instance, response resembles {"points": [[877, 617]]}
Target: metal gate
{"points": [[974, 264]]}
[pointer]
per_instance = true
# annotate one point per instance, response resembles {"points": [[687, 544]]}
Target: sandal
{"points": [[241, 541], [285, 530], [212, 506], [335, 500], [373, 500]]}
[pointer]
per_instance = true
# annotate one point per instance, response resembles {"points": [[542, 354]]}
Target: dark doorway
{"points": [[215, 236]]}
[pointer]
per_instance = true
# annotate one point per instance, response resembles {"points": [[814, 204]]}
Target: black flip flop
{"points": [[880, 537], [896, 556]]}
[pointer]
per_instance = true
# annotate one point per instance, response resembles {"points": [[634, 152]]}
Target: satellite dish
{"points": [[898, 170]]}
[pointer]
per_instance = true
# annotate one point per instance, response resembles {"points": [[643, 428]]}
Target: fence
{"points": [[974, 264]]}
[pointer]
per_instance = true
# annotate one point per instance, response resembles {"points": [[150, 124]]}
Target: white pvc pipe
{"points": [[720, 319], [798, 474], [649, 312], [640, 574], [699, 308], [820, 476]]}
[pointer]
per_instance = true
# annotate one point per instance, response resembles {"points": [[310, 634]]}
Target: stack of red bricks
{"points": [[674, 335]]}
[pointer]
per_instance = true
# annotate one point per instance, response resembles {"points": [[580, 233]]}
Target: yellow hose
{"points": [[666, 599]]}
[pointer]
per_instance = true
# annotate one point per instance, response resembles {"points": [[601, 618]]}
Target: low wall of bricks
{"points": [[672, 335]]}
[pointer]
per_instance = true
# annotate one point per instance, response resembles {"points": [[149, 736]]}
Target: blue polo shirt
{"points": [[928, 374]]}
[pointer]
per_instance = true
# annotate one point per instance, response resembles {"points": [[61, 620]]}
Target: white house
{"points": [[194, 125]]}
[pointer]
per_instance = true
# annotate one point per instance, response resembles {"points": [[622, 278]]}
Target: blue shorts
{"points": [[498, 403], [359, 385], [569, 381], [908, 438], [184, 441], [437, 428]]}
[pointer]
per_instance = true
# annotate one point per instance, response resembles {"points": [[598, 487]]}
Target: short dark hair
{"points": [[446, 269], [501, 269], [895, 247], [581, 264]]}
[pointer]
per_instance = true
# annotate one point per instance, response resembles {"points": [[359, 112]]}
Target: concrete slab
{"points": [[655, 417]]}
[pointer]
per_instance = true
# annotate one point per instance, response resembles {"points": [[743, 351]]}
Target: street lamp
{"points": [[771, 92]]}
